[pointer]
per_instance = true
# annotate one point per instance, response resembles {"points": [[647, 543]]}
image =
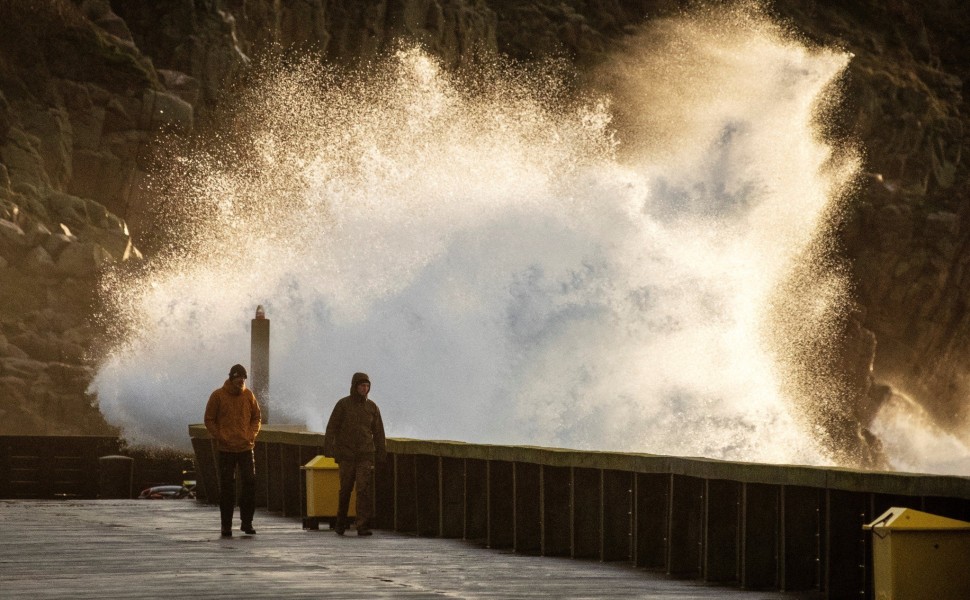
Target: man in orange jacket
{"points": [[233, 418]]}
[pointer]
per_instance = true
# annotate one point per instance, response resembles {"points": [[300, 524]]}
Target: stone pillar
{"points": [[259, 361]]}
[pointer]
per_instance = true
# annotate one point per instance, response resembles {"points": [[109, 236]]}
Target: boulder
{"points": [[117, 116], [11, 233], [87, 117], [13, 389], [165, 110], [24, 369], [38, 261], [112, 23], [68, 209], [13, 242], [182, 85], [83, 259], [117, 244], [56, 243], [4, 180], [52, 128], [29, 199], [35, 232], [69, 376], [21, 155], [97, 174]]}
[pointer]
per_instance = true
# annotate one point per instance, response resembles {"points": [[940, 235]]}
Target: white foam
{"points": [[503, 265]]}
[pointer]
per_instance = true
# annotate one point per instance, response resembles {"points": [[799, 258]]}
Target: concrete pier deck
{"points": [[158, 548]]}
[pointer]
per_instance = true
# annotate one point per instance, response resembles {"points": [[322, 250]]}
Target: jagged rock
{"points": [[38, 261], [99, 11], [12, 351], [68, 376], [161, 109], [4, 118], [24, 369], [83, 259], [117, 243], [87, 118], [118, 116], [12, 233], [35, 232], [56, 243], [4, 180], [13, 389], [48, 347], [182, 85], [98, 174], [51, 127], [23, 160], [68, 209], [13, 242]]}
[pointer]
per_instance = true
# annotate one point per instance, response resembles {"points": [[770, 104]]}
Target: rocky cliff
{"points": [[87, 85]]}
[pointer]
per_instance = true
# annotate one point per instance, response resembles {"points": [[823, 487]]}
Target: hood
{"points": [[357, 378]]}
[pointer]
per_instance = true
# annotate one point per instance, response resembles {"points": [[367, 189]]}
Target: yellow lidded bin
{"points": [[322, 477], [919, 555]]}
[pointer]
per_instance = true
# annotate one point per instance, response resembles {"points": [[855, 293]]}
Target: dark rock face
{"points": [[87, 85], [213, 42]]}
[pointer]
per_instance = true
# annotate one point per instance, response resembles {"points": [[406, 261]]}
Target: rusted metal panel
{"points": [[801, 535], [685, 526], [760, 535], [274, 477], [476, 500], [405, 507], [526, 509], [586, 509], [427, 493], [451, 497], [722, 527], [292, 478], [557, 526], [501, 492], [846, 545], [384, 474], [651, 519], [616, 516]]}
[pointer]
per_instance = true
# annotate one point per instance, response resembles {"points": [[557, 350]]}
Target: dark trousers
{"points": [[357, 473], [228, 461]]}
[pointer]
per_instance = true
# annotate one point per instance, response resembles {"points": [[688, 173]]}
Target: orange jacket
{"points": [[233, 420]]}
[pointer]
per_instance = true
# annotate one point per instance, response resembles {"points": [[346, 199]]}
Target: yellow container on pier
{"points": [[919, 555], [322, 486]]}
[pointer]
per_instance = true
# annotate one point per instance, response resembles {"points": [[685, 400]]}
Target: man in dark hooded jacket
{"points": [[355, 439]]}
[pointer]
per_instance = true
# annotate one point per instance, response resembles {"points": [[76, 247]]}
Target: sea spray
{"points": [[509, 263]]}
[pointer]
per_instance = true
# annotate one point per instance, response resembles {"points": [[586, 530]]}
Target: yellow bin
{"points": [[918, 555], [322, 486]]}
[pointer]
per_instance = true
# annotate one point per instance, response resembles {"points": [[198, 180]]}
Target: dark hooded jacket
{"points": [[355, 430]]}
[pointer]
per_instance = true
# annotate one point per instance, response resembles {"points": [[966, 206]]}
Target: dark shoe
{"points": [[364, 532], [248, 530], [340, 529], [227, 533]]}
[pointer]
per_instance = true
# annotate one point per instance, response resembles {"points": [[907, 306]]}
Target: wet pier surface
{"points": [[146, 548]]}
